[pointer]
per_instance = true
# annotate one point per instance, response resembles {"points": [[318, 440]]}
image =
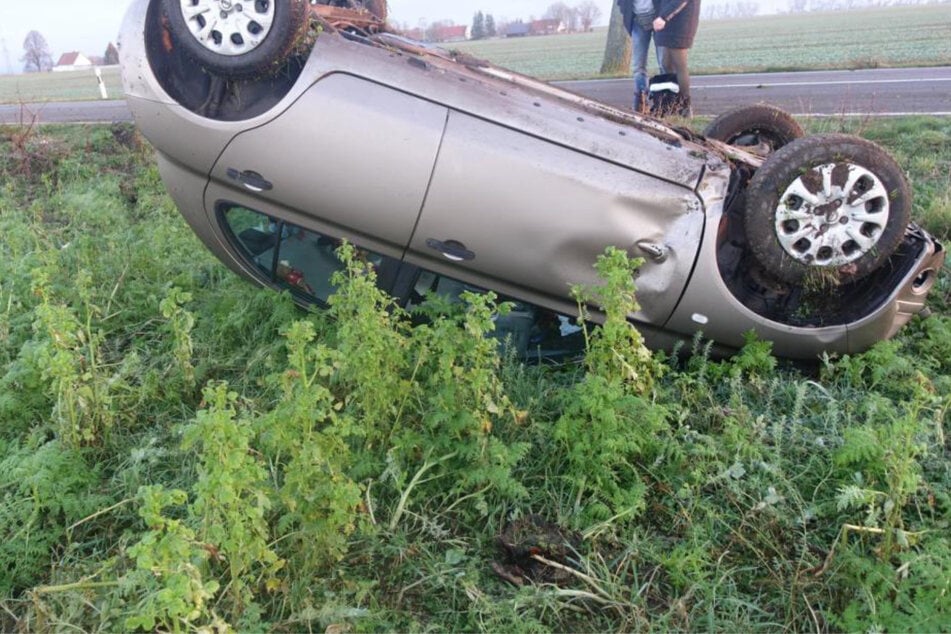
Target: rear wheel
{"points": [[237, 39], [831, 206], [760, 129]]}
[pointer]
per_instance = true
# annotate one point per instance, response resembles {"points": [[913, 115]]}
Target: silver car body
{"points": [[398, 148]]}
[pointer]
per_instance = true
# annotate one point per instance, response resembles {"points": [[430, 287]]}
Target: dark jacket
{"points": [[627, 12], [683, 18]]}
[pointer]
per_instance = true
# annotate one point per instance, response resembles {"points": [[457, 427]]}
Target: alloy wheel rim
{"points": [[832, 215], [229, 27]]}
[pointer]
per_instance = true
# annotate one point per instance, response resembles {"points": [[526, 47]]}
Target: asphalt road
{"points": [[66, 112], [875, 92]]}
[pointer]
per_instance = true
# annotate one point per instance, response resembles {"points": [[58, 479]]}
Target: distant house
{"points": [[417, 34], [450, 33], [545, 27], [516, 29], [72, 61]]}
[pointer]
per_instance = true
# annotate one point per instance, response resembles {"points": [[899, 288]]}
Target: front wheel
{"points": [[237, 39], [829, 208], [760, 129]]}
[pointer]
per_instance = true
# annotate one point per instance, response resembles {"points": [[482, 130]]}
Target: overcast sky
{"points": [[88, 26]]}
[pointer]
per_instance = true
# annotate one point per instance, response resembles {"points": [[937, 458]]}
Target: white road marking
{"points": [[816, 115], [697, 82], [847, 82]]}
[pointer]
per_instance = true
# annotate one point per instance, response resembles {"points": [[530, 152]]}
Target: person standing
{"points": [[639, 18], [674, 29]]}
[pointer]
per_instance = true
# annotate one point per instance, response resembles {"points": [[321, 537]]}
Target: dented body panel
{"points": [[403, 149]]}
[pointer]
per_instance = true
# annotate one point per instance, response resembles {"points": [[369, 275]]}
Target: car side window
{"points": [[298, 259], [303, 261], [532, 331]]}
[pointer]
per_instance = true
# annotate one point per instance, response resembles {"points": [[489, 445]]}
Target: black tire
{"points": [[290, 20], [761, 128], [838, 236]]}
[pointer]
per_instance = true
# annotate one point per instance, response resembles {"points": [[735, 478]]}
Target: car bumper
{"points": [[708, 307]]}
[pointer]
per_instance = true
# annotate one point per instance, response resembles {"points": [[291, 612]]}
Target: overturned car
{"points": [[285, 126]]}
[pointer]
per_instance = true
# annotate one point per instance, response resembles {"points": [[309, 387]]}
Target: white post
{"points": [[102, 84]]}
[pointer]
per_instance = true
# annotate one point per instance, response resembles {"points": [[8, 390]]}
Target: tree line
{"points": [[483, 26], [38, 59], [726, 10], [798, 6], [579, 17]]}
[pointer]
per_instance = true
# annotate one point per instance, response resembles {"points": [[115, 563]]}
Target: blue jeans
{"points": [[641, 39]]}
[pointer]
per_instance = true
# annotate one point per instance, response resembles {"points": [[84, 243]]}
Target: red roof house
{"points": [[545, 27], [72, 61], [450, 33]]}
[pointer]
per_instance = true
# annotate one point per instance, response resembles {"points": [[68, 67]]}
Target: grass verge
{"points": [[179, 450]]}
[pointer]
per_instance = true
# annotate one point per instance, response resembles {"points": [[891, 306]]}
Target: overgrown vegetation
{"points": [[180, 451]]}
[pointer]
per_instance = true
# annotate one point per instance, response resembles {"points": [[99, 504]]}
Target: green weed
{"points": [[180, 324], [230, 503], [348, 470], [80, 381], [307, 437], [167, 589]]}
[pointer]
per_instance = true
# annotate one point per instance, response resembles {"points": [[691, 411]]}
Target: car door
{"points": [[525, 216], [350, 158]]}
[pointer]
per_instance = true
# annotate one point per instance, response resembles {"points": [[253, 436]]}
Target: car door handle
{"points": [[251, 180], [451, 249], [657, 252]]}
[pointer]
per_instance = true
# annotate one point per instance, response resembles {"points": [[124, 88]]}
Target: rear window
{"points": [[290, 256]]}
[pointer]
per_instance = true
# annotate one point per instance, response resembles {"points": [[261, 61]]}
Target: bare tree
{"points": [[617, 51], [36, 56], [573, 20], [588, 13], [729, 10], [561, 12], [747, 9], [434, 29]]}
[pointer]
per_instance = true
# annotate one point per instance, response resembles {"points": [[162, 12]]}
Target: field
{"points": [[894, 37], [898, 36], [180, 451], [80, 85]]}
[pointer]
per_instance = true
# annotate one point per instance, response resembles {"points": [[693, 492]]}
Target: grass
{"points": [[180, 450], [80, 85], [892, 37]]}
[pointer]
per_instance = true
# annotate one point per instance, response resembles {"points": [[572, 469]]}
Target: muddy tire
{"points": [[761, 129], [828, 208], [246, 38]]}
